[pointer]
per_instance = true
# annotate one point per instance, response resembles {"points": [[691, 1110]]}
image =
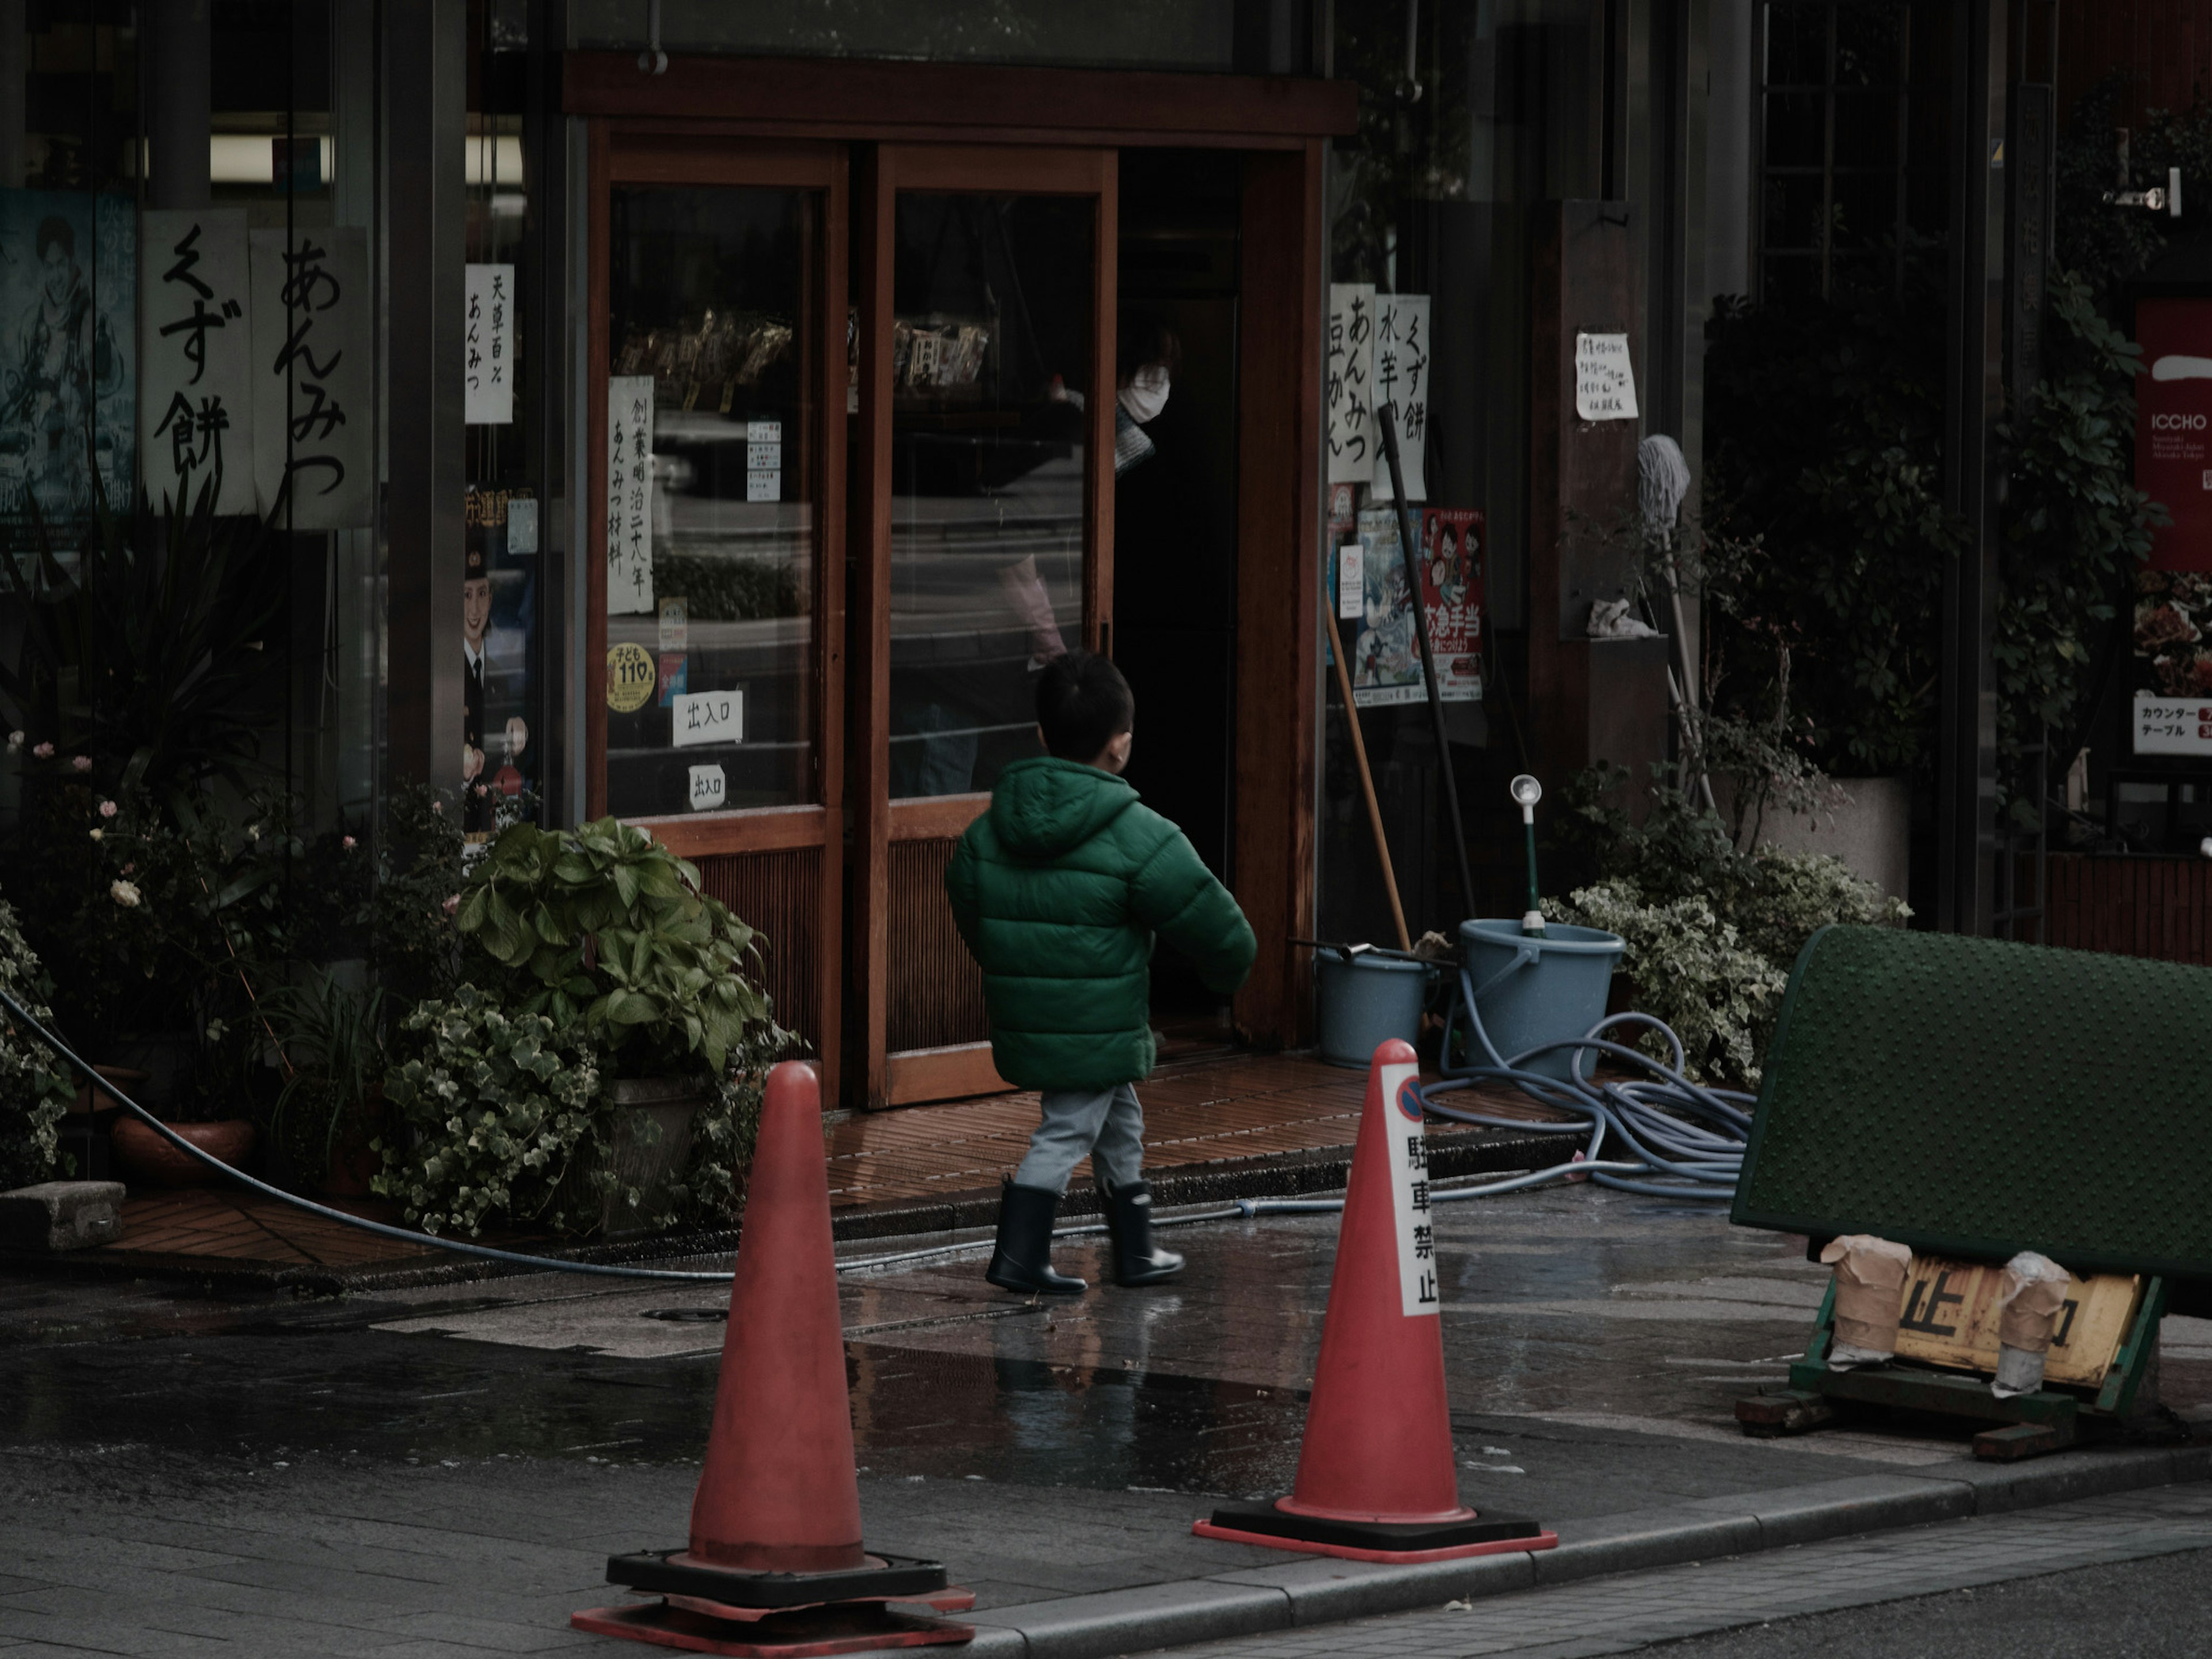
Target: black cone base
{"points": [[893, 1577], [1389, 1537]]}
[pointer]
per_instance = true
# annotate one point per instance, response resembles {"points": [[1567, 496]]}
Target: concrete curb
{"points": [[1315, 1590]]}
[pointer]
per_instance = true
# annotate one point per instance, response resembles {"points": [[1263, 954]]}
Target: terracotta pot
{"points": [[149, 1160], [123, 1076]]}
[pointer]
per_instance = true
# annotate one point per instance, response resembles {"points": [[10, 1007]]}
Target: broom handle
{"points": [[1366, 777]]}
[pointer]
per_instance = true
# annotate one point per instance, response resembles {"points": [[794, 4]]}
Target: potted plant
{"points": [[591, 949], [328, 1113]]}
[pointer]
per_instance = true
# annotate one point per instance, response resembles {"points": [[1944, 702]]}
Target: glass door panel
{"points": [[712, 677], [991, 367]]}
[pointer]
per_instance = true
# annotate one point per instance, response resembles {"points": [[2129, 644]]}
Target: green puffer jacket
{"points": [[1058, 890]]}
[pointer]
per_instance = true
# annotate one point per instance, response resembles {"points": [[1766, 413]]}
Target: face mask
{"points": [[1146, 395]]}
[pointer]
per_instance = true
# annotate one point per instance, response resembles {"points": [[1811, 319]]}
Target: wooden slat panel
{"points": [[928, 1074], [779, 894], [936, 818], [765, 830], [935, 994]]}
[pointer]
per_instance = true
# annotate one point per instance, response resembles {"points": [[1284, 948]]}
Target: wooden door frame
{"points": [[626, 153], [915, 1075]]}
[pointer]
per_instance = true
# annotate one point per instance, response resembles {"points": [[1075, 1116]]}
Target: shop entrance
{"points": [[1175, 530]]}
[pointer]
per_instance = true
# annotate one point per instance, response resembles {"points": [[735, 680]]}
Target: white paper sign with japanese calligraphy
{"points": [[1402, 380], [488, 375], [1415, 1226], [706, 717], [1351, 373], [2172, 725], [1605, 378], [312, 420], [630, 495], [196, 359]]}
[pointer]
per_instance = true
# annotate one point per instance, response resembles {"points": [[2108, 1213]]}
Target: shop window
{"points": [[1851, 142]]}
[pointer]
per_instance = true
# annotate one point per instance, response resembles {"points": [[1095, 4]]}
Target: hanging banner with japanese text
{"points": [[195, 358], [1350, 373], [488, 380], [1402, 380], [68, 309], [630, 495], [314, 424]]}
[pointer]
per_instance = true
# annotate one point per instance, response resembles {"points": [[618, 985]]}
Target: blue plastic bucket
{"points": [[1365, 1000], [1534, 989]]}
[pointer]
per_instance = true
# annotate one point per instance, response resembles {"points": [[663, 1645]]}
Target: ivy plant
{"points": [[605, 928], [34, 1089]]}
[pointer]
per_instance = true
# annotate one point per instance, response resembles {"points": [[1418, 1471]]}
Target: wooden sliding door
{"points": [[982, 545]]}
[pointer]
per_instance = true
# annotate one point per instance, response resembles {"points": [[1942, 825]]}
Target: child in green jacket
{"points": [[1058, 890]]}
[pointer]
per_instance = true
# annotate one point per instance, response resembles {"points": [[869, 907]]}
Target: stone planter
{"points": [[651, 1143], [149, 1160], [1872, 832]]}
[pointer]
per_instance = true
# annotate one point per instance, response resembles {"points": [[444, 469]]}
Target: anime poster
{"points": [[499, 624], [1385, 652], [69, 308]]}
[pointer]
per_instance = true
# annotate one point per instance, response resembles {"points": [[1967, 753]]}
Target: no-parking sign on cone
{"points": [[1376, 1479]]}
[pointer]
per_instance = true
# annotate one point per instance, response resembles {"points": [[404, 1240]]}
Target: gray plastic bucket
{"points": [[1534, 989], [1365, 1000]]}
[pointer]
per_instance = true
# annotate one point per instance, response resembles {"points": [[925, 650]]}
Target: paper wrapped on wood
{"points": [[2030, 1292], [1869, 1295]]}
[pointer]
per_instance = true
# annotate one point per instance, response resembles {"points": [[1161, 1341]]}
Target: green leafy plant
{"points": [[501, 1112], [150, 663], [34, 1089], [605, 928], [332, 1037]]}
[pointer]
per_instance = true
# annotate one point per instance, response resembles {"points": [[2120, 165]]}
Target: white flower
{"points": [[254, 832], [81, 762], [108, 809], [96, 835], [124, 893], [15, 740]]}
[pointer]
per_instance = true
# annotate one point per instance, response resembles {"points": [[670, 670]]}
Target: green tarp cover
{"points": [[1970, 1096]]}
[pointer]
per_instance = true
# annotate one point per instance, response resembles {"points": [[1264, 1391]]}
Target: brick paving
{"points": [[1197, 1114]]}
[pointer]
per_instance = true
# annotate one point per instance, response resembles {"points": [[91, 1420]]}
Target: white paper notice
{"points": [[709, 788], [2172, 725], [311, 377], [630, 495], [490, 342], [675, 625], [196, 387], [522, 525], [1402, 380], [707, 717], [1351, 375], [1352, 583], [764, 460], [1409, 1191], [1605, 378]]}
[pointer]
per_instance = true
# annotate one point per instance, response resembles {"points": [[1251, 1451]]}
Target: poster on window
{"points": [[630, 495], [2173, 428], [487, 341], [195, 358], [1348, 384], [1384, 649], [314, 427], [1401, 383], [69, 271], [499, 612]]}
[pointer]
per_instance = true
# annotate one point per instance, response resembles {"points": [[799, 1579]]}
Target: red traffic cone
{"points": [[775, 1564], [1378, 1481]]}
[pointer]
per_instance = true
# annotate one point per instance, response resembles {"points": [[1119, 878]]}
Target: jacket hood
{"points": [[1044, 808]]}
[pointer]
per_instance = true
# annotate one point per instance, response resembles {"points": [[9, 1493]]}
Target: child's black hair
{"points": [[1083, 704]]}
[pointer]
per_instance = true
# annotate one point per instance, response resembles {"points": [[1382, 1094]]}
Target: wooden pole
{"points": [[1366, 777]]}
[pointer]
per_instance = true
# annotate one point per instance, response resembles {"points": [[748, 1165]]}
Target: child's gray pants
{"points": [[1108, 1124]]}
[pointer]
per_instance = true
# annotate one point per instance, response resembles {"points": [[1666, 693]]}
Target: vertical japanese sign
{"points": [[1409, 1192], [1402, 379], [312, 427], [630, 495], [489, 382], [196, 364], [1349, 382], [69, 307]]}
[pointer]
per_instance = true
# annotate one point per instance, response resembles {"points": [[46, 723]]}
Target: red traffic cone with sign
{"points": [[1378, 1481], [775, 1565]]}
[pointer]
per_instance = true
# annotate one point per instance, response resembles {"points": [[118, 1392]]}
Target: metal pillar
{"points": [[178, 53], [1973, 403], [425, 125]]}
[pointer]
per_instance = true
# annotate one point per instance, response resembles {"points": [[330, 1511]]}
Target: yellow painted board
{"points": [[1949, 1317]]}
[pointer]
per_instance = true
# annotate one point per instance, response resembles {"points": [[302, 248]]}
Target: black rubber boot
{"points": [[1023, 1261], [1129, 1221]]}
